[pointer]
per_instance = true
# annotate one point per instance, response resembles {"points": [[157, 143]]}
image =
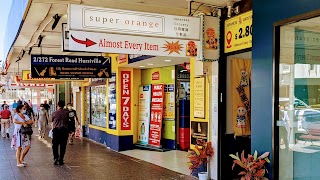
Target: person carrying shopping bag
{"points": [[21, 138]]}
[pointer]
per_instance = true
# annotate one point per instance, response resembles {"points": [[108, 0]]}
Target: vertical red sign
{"points": [[125, 100], [156, 114]]}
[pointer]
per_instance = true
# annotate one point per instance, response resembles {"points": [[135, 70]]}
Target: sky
{"points": [[4, 11]]}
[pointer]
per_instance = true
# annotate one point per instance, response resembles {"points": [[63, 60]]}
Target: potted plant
{"points": [[253, 166], [198, 159]]}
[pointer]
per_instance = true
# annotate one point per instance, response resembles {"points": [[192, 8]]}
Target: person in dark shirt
{"points": [[71, 123], [27, 110], [4, 104], [46, 105], [60, 131]]}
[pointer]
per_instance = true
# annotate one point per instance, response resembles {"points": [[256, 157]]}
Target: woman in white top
{"points": [[21, 141]]}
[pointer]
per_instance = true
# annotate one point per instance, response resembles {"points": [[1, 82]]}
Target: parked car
{"points": [[304, 115]]}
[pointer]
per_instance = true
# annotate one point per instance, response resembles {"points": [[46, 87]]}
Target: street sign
{"points": [[60, 66], [126, 44]]}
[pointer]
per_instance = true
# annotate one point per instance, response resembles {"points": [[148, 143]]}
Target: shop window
{"points": [[298, 116], [98, 106]]}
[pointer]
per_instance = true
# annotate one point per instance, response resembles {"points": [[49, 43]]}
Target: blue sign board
{"points": [[60, 66]]}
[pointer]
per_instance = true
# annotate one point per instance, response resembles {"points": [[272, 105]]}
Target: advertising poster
{"points": [[169, 102], [199, 97], [157, 101], [199, 130], [125, 100], [144, 114], [61, 66], [112, 102], [211, 38], [238, 32]]}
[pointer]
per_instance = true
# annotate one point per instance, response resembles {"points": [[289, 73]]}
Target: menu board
{"points": [[199, 97]]}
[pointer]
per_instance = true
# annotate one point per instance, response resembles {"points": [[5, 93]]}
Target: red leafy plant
{"points": [[253, 166], [201, 154]]}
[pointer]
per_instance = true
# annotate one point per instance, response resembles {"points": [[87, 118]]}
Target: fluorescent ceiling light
{"points": [[167, 60], [150, 64], [142, 66]]}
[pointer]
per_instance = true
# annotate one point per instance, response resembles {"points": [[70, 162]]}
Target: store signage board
{"points": [[60, 66], [199, 97], [157, 103], [199, 131], [88, 18], [125, 100], [238, 32], [144, 114], [26, 76], [125, 44]]}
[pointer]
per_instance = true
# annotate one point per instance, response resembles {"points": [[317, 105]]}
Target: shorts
{"points": [[71, 126]]}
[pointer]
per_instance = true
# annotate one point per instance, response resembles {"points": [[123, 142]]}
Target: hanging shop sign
{"points": [[88, 18], [112, 102], [157, 100], [26, 76], [238, 32], [144, 114], [199, 131], [65, 37], [125, 100], [125, 44], [60, 66], [169, 105], [211, 42], [199, 97]]}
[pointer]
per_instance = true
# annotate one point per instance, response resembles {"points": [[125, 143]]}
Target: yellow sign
{"points": [[26, 75], [199, 97], [238, 32], [169, 102]]}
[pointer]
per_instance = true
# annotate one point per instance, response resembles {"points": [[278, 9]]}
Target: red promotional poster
{"points": [[125, 100], [157, 98]]}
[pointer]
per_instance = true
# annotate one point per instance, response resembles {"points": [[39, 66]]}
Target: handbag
{"points": [[26, 130]]}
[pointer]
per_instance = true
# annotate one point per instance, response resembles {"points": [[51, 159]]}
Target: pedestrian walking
{"points": [[4, 104], [27, 110], [21, 141], [5, 121], [72, 122], [14, 106], [60, 133], [42, 118]]}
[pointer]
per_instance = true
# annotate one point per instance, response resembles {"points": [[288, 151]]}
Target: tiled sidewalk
{"points": [[84, 160]]}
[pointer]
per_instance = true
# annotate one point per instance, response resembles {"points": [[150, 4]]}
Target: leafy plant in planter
{"points": [[199, 156], [254, 166]]}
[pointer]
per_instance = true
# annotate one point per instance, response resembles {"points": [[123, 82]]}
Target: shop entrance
{"points": [[236, 117], [173, 75]]}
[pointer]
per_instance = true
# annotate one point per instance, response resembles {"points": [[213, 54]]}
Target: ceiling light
{"points": [[167, 60], [142, 66], [150, 64]]}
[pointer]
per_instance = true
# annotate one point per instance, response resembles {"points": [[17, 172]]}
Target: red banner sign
{"points": [[125, 100], [156, 75], [156, 114]]}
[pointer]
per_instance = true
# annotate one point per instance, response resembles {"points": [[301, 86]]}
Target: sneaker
{"points": [[61, 163], [56, 162], [20, 165], [24, 163], [8, 135]]}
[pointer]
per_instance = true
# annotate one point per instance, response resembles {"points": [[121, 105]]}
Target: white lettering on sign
{"points": [[158, 87], [125, 100]]}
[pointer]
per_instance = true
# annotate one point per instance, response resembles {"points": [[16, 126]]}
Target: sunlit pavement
{"points": [[84, 160]]}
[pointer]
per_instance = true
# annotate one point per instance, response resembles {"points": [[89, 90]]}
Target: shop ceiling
{"points": [[39, 20]]}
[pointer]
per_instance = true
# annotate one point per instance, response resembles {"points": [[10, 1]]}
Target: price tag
{"points": [[238, 32]]}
